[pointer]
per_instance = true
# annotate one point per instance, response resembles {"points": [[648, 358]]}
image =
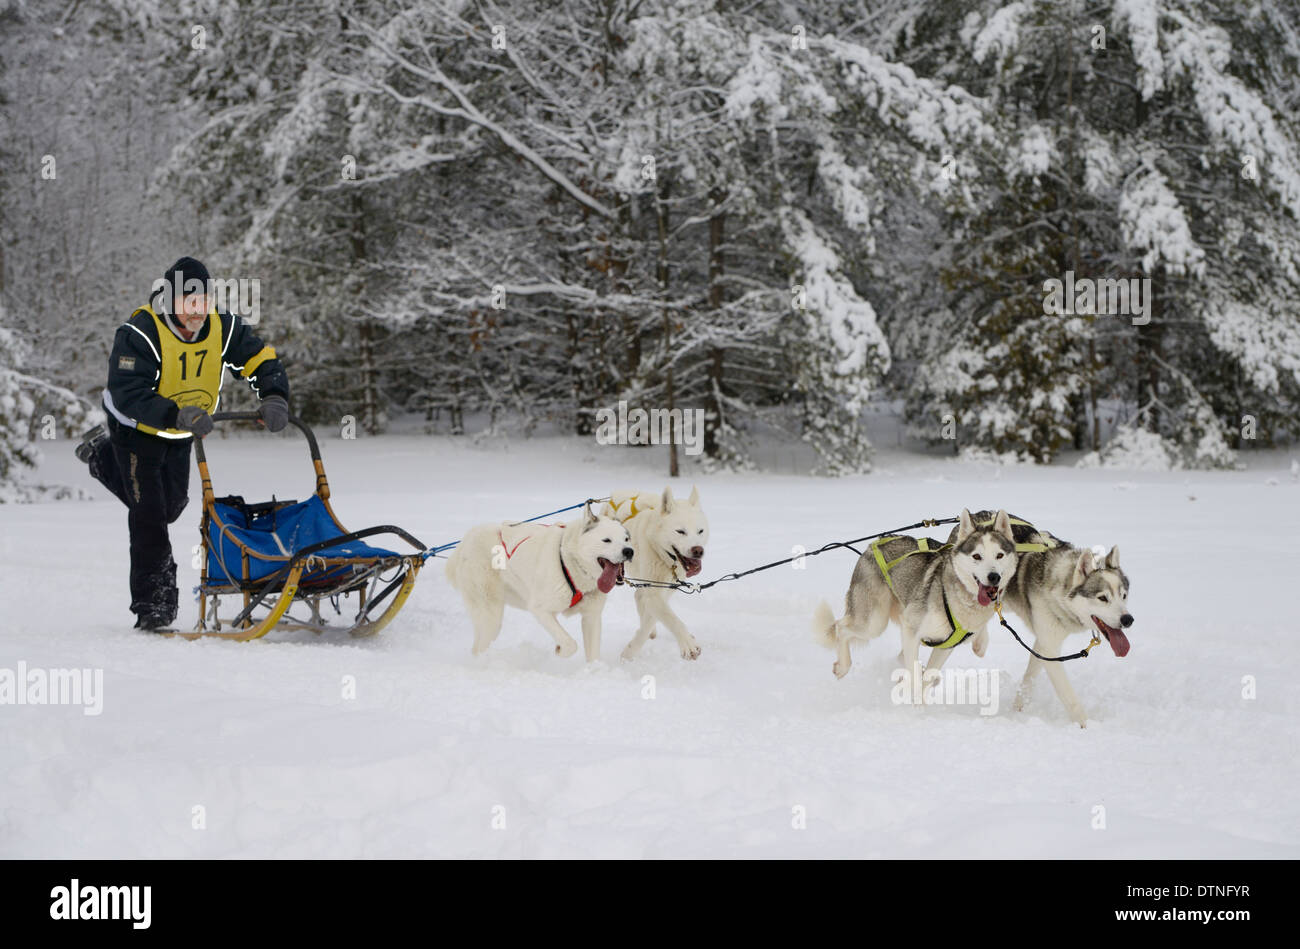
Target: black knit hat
{"points": [[186, 276]]}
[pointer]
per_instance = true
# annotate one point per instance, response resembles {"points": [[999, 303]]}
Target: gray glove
{"points": [[275, 412], [191, 418]]}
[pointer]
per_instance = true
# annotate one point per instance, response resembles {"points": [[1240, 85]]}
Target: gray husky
{"points": [[1059, 590], [938, 595]]}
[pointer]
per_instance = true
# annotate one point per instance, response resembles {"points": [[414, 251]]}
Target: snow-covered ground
{"points": [[732, 753]]}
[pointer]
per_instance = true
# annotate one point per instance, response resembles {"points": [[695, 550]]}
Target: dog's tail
{"points": [[824, 626]]}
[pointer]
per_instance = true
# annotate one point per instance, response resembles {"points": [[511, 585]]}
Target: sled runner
{"points": [[273, 555]]}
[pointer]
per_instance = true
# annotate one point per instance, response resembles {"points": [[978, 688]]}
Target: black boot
{"points": [[90, 443], [151, 622], [157, 610]]}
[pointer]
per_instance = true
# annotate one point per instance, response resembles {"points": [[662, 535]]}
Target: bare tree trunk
{"points": [[456, 411], [1074, 236], [369, 387], [717, 231], [661, 220], [369, 410], [1147, 356], [1148, 337], [673, 470]]}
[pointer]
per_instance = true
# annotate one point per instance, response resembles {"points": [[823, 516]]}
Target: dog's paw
{"points": [[689, 649], [1019, 703], [654, 633], [980, 644], [629, 653], [932, 687], [565, 650], [840, 672]]}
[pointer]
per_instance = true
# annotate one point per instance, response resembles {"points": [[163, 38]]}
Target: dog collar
{"points": [[577, 594]]}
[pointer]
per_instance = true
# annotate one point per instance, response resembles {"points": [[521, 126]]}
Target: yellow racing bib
{"points": [[190, 373]]}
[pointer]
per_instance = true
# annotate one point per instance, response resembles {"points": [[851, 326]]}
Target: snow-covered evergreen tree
{"points": [[29, 404], [17, 450], [774, 212], [83, 131], [1165, 154]]}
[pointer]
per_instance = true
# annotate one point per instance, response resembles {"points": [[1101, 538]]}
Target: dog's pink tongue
{"points": [[1118, 643], [987, 594], [694, 568], [607, 577]]}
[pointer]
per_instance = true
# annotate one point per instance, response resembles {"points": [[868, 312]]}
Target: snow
{"points": [[1232, 112], [757, 83], [1035, 152], [1141, 17], [1000, 36], [285, 141], [934, 116], [846, 319], [1152, 219], [261, 737], [1134, 449], [1101, 166], [777, 81], [848, 187]]}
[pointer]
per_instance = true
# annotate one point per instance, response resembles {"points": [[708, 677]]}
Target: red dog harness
{"points": [[577, 594], [509, 553]]}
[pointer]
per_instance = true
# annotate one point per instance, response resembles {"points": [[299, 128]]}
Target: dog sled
{"points": [[272, 557]]}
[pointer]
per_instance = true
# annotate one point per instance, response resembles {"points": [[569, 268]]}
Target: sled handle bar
{"points": [[257, 417], [322, 483]]}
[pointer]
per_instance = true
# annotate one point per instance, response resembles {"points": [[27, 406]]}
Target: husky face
{"points": [[603, 547], [682, 531], [984, 557], [1099, 598]]}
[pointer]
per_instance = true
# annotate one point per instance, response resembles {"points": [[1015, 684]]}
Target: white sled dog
{"points": [[1058, 590], [546, 569], [669, 537], [938, 594]]}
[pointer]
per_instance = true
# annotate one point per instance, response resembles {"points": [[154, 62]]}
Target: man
{"points": [[164, 378]]}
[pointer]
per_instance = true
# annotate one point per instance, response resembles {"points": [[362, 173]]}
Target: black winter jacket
{"points": [[131, 395]]}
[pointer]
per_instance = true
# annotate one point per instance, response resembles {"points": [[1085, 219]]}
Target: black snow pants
{"points": [[154, 486]]}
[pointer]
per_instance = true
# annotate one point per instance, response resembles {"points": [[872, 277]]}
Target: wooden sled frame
{"points": [[284, 587]]}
